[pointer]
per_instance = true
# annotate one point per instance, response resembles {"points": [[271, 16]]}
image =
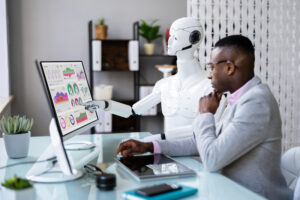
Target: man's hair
{"points": [[238, 41]]}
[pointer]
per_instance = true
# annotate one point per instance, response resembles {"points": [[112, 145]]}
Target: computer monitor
{"points": [[67, 88]]}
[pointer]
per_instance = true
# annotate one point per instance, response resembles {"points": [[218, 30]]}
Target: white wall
{"points": [[57, 30], [4, 70], [273, 27]]}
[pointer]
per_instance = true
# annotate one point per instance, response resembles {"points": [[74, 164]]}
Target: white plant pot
{"points": [[103, 92], [149, 48], [25, 194], [17, 145]]}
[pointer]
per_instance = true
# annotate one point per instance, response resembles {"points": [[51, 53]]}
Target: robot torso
{"points": [[180, 101]]}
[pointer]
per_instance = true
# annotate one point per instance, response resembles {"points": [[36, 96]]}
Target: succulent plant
{"points": [[15, 125], [102, 21], [149, 31], [17, 183]]}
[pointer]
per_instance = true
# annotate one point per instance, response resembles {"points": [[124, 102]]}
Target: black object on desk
{"points": [[157, 189], [105, 181]]}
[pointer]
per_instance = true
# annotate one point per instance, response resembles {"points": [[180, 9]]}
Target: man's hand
{"points": [[130, 147], [210, 103]]}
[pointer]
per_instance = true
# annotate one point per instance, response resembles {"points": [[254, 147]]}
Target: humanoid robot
{"points": [[179, 94]]}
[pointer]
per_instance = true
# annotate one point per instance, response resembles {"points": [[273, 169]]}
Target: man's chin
{"points": [[213, 86], [219, 90], [216, 89]]}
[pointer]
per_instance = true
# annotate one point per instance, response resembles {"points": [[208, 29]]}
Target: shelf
{"points": [[113, 70], [157, 60], [157, 55], [121, 124], [125, 101], [157, 115], [141, 85], [113, 40], [115, 58]]}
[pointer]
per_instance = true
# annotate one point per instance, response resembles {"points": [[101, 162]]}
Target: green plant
{"points": [[149, 31], [102, 21], [15, 125], [17, 183]]}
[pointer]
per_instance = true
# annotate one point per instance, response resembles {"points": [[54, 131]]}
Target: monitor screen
{"points": [[68, 87]]}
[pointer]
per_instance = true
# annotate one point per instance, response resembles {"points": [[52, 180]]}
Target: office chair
{"points": [[297, 190], [290, 167]]}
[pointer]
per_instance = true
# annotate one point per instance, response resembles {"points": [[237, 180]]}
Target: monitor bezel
{"points": [[51, 105]]}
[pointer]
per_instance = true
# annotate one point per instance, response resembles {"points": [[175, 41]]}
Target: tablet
{"points": [[153, 167]]}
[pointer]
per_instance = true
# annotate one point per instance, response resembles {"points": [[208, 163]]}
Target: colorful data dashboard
{"points": [[69, 88]]}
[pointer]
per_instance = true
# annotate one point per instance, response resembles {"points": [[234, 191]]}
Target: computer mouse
{"points": [[106, 181]]}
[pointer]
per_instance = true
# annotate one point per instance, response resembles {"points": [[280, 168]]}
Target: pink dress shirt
{"points": [[234, 97], [156, 147]]}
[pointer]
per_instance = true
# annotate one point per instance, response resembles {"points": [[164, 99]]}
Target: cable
{"points": [[28, 162]]}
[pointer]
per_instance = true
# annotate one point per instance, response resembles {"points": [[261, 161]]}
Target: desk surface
{"points": [[210, 185]]}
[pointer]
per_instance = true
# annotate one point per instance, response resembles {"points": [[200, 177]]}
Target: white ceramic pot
{"points": [[17, 145], [103, 92], [149, 48], [9, 194]]}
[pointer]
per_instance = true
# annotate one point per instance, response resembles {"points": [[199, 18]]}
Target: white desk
{"points": [[211, 186]]}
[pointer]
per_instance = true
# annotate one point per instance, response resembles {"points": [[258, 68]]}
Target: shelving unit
{"points": [[147, 67], [147, 75]]}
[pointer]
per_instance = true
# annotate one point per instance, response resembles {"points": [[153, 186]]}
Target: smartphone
{"points": [[157, 189]]}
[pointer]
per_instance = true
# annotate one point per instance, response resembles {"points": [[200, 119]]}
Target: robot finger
{"points": [[92, 107]]}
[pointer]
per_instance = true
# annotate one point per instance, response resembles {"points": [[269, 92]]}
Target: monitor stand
{"points": [[45, 172], [79, 145]]}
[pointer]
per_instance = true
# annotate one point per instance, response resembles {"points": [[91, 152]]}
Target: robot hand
{"points": [[112, 107], [95, 105]]}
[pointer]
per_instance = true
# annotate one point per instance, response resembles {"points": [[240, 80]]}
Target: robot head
{"points": [[185, 36]]}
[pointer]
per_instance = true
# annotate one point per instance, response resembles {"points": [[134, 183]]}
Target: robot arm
{"points": [[124, 110], [173, 134], [112, 107], [179, 133], [146, 103]]}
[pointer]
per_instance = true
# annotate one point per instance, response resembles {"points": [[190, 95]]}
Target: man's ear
{"points": [[230, 68]]}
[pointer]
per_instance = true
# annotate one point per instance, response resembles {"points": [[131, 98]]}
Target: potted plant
{"points": [[150, 33], [16, 135], [101, 30], [17, 188]]}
